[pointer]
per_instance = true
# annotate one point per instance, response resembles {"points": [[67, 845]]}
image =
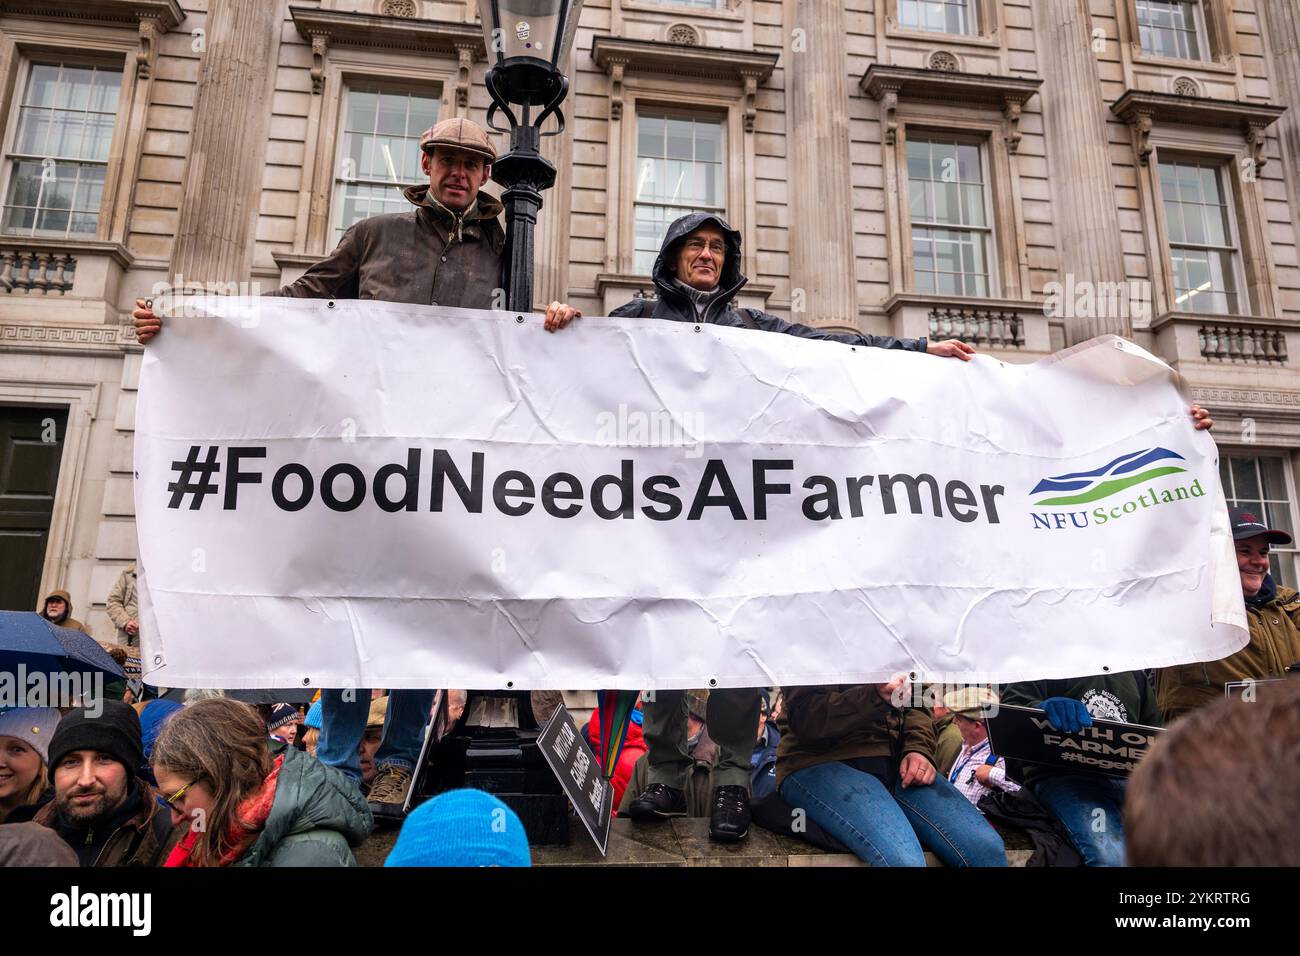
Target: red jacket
{"points": [[633, 748]]}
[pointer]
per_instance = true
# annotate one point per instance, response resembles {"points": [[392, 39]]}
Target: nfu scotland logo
{"points": [[1135, 470]]}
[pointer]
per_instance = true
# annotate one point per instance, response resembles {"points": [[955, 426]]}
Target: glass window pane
{"points": [[1274, 480], [678, 143], [104, 96], [946, 203], [916, 193], [1194, 223], [1225, 477], [708, 142], [650, 135], [24, 184], [423, 114], [42, 88], [1244, 479], [972, 205], [361, 110], [1279, 516], [98, 139], [944, 161], [52, 220], [76, 87], [33, 129], [392, 114], [918, 159]]}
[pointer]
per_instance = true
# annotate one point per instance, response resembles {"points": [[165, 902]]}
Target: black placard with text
{"points": [[1108, 747], [579, 773]]}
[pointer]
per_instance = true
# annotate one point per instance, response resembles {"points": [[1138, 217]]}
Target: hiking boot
{"points": [[659, 802], [729, 821], [388, 793]]}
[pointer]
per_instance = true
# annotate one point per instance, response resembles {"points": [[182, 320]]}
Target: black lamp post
{"points": [[494, 745], [527, 40]]}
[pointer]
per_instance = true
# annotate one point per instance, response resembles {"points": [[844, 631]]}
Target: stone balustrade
{"points": [[1235, 343], [36, 271], [988, 327]]}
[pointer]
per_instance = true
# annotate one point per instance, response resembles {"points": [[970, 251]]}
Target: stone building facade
{"points": [[1024, 174]]}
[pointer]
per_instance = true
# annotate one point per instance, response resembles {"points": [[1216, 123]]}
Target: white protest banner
{"points": [[380, 495]]}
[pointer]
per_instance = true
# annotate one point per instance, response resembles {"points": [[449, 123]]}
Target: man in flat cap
{"points": [[446, 250]]}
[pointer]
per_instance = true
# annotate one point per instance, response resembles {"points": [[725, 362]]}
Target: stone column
{"points": [[223, 177], [1078, 157], [820, 182], [1280, 27], [551, 267]]}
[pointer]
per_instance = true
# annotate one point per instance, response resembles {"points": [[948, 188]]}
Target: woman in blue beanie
{"points": [[461, 828]]}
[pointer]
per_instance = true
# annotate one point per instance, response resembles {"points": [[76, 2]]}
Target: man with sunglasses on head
{"points": [[103, 807]]}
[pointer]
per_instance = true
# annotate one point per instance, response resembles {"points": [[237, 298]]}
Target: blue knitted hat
{"points": [[461, 828], [313, 718], [152, 718]]}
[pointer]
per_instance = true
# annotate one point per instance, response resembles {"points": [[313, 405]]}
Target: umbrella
{"points": [[30, 641], [615, 707]]}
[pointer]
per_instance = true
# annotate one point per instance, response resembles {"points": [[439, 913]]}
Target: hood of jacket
{"points": [[310, 796], [64, 596], [731, 281]]}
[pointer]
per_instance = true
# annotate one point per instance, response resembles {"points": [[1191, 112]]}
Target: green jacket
{"points": [[1127, 697], [846, 721], [1274, 646], [947, 743], [317, 815]]}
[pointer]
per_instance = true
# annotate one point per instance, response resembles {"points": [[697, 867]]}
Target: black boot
{"points": [[658, 802], [729, 821]]}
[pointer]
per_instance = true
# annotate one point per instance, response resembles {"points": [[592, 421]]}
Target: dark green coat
{"points": [[317, 816]]}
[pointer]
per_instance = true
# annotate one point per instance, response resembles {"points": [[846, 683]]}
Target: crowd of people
{"points": [[207, 780]]}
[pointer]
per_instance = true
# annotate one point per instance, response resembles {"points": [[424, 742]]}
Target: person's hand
{"points": [[1201, 418], [147, 324], [915, 770], [951, 348], [982, 773], [132, 628], [893, 693], [1067, 714], [558, 315]]}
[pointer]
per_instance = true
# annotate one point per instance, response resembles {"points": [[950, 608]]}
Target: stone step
{"points": [[683, 842]]}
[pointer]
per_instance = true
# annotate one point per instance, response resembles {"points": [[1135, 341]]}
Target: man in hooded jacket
{"points": [[697, 275], [57, 609]]}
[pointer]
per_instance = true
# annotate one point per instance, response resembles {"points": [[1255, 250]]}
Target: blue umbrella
{"points": [[28, 639]]}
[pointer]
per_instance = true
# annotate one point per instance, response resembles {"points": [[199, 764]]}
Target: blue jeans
{"points": [[888, 827], [343, 725], [1091, 808]]}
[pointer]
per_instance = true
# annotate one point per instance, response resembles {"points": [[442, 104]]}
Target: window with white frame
{"points": [[58, 155], [1202, 240], [1172, 28], [938, 16], [679, 169], [379, 152], [1259, 484], [951, 234]]}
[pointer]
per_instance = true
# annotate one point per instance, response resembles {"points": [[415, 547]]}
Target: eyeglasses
{"points": [[167, 802], [699, 245]]}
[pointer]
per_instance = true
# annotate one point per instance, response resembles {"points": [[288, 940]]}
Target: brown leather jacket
{"points": [[425, 256]]}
